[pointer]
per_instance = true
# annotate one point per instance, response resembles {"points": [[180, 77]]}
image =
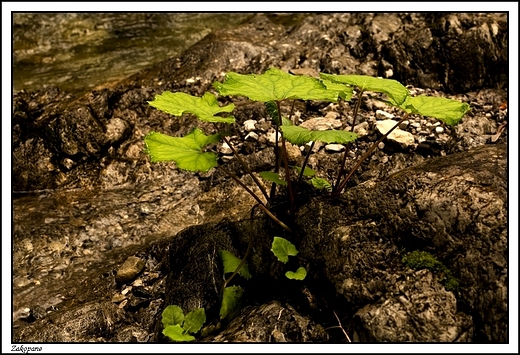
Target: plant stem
{"points": [[342, 166], [286, 164], [369, 151], [243, 261], [303, 167], [261, 204], [244, 165]]}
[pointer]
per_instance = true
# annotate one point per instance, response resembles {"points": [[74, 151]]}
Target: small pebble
{"points": [[334, 147], [249, 125]]}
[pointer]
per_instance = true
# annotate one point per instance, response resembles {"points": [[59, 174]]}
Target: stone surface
{"points": [[130, 269], [405, 139]]}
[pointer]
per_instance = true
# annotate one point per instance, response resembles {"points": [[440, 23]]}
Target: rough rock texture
{"points": [[453, 206]]}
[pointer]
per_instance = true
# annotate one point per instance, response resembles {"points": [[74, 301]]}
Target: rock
{"points": [[249, 125], [405, 139], [252, 136], [271, 323], [334, 147], [130, 269], [321, 123], [383, 115], [361, 129], [225, 149], [421, 300]]}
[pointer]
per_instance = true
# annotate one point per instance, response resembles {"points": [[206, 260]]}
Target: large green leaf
{"points": [[344, 91], [282, 249], [296, 275], [185, 151], [275, 85], [231, 301], [205, 107], [231, 262], [397, 92], [176, 333], [172, 315], [273, 177], [447, 110], [300, 135], [194, 321]]}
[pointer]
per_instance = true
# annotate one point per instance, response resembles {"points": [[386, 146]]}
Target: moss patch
{"points": [[418, 260]]}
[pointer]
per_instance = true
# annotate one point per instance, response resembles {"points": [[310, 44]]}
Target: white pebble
{"points": [[249, 125]]}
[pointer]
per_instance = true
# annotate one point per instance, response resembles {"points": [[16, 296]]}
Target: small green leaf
{"points": [[275, 85], [447, 110], [231, 301], [194, 321], [282, 249], [185, 151], [300, 135], [298, 275], [320, 184], [344, 91], [205, 107], [176, 333], [231, 262], [172, 315], [308, 172], [273, 177], [397, 92]]}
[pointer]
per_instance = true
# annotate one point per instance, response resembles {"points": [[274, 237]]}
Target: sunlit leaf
{"points": [[447, 110], [172, 315], [344, 91], [231, 301], [299, 135], [273, 177], [320, 184], [396, 92], [194, 320], [308, 172], [231, 262], [176, 333], [185, 151], [205, 107], [275, 85], [282, 249], [296, 275]]}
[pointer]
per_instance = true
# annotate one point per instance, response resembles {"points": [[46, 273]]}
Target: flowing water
{"points": [[80, 51]]}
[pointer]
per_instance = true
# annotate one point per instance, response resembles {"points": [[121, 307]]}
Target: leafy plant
{"points": [[178, 327], [282, 249], [275, 88]]}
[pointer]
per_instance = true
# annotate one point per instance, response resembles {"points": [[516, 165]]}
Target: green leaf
{"points": [[275, 85], [185, 151], [447, 110], [300, 135], [176, 333], [282, 249], [273, 177], [172, 315], [205, 107], [344, 91], [298, 275], [396, 91], [194, 321], [231, 301], [231, 262], [308, 172], [320, 184]]}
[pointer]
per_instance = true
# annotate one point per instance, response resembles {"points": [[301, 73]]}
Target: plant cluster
{"points": [[275, 88]]}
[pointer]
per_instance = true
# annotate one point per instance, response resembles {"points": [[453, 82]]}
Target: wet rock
{"points": [[130, 269]]}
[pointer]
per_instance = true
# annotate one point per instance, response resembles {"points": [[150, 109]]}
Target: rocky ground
{"points": [[87, 197]]}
